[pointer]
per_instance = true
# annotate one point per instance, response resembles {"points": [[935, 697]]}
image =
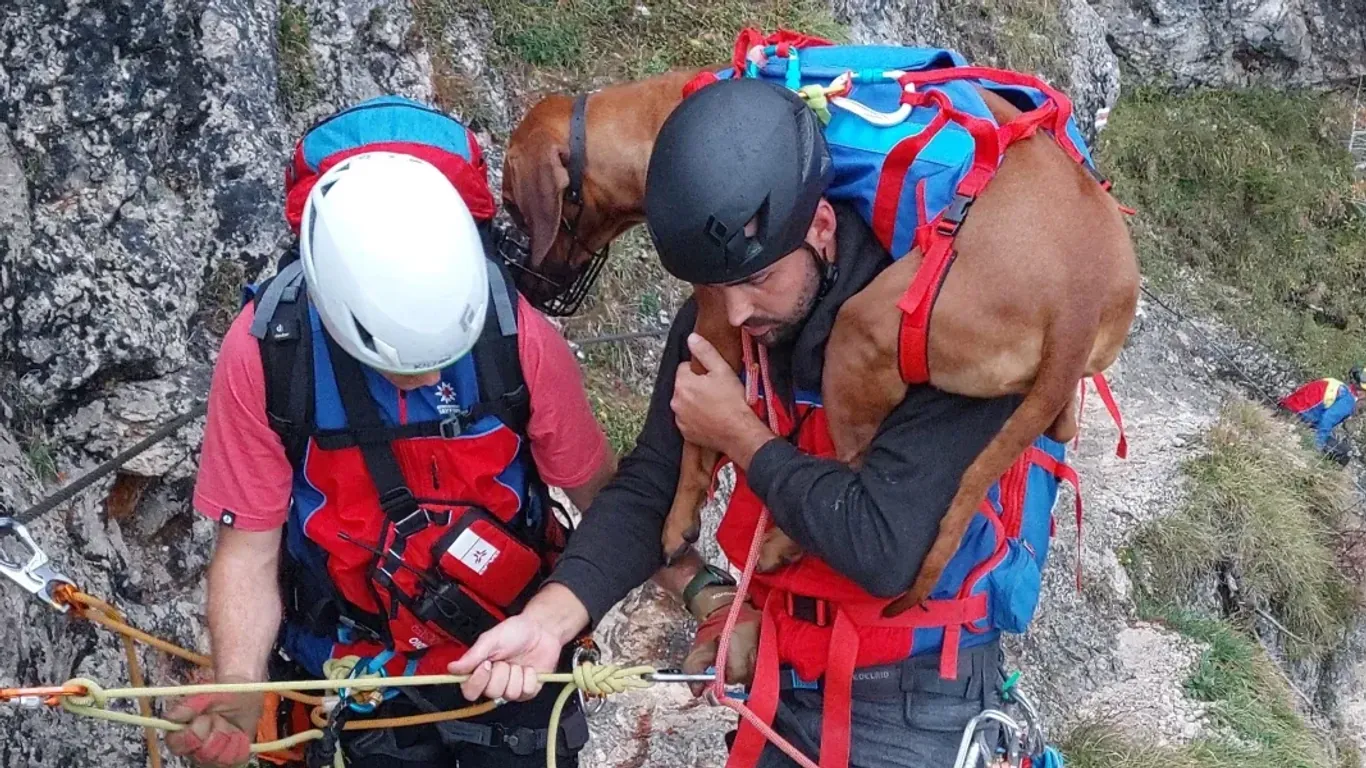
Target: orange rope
{"points": [[319, 718], [106, 615]]}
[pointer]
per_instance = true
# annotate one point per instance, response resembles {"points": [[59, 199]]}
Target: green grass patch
{"points": [[633, 294], [1266, 510], [1101, 745], [220, 300], [298, 78], [619, 409], [40, 448], [1251, 714], [1251, 189], [1023, 35], [586, 39]]}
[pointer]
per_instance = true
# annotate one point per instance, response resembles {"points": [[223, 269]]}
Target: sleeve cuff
{"points": [[763, 468], [586, 583]]}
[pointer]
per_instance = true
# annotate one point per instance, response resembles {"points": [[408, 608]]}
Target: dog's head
{"points": [[568, 233]]}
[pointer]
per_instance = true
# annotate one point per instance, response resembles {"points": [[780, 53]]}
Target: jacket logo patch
{"points": [[445, 392], [476, 552]]}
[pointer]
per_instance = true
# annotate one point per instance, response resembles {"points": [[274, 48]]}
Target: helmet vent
{"points": [[366, 337], [717, 230]]}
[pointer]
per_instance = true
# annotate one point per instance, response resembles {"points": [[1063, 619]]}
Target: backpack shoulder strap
{"points": [[502, 385], [282, 328]]}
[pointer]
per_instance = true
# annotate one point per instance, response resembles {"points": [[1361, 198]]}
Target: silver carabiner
{"points": [[591, 705], [36, 575], [973, 751]]}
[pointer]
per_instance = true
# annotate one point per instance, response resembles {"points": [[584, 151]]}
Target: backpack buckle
{"points": [[453, 426], [952, 217]]}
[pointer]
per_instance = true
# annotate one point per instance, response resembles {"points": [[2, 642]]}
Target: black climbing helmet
{"points": [[733, 151]]}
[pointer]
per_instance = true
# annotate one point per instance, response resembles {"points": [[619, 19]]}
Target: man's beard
{"points": [[785, 330]]}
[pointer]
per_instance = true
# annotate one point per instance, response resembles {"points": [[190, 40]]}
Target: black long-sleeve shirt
{"points": [[874, 525]]}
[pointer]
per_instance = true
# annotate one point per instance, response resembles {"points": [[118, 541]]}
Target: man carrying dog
{"points": [[735, 200]]}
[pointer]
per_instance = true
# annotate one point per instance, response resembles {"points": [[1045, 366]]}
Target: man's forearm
{"points": [[558, 611], [244, 612]]}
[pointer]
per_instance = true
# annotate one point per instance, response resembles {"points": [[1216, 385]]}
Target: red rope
{"points": [[718, 686]]}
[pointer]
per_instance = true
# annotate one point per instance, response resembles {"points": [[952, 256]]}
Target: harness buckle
{"points": [[811, 610], [952, 218], [453, 426], [396, 501], [36, 575]]}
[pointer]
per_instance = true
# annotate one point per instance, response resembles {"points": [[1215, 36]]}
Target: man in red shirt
{"points": [[412, 512]]}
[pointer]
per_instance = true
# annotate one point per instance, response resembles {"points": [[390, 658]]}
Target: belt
{"points": [[979, 670]]}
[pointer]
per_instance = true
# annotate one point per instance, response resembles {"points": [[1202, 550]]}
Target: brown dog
{"points": [[1042, 294]]}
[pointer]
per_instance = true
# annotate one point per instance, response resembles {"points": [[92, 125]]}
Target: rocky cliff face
{"points": [[141, 147], [1061, 40], [1245, 42]]}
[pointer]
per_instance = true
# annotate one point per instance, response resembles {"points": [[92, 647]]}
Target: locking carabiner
{"points": [[36, 574]]}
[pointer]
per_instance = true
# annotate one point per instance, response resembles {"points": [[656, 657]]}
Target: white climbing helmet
{"points": [[394, 263]]}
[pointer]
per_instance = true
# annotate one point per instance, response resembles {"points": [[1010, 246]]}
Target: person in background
{"points": [[1323, 405]]}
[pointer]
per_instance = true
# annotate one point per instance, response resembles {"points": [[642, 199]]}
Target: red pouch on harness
{"points": [[487, 559]]}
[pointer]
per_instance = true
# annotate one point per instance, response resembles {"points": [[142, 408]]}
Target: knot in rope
{"points": [[94, 695], [341, 668], [605, 679]]}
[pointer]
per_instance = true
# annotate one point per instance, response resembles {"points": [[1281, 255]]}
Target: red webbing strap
{"points": [[1005, 77], [936, 238], [749, 741], [892, 179], [836, 718], [1108, 398], [1064, 472], [916, 304], [750, 37], [756, 717]]}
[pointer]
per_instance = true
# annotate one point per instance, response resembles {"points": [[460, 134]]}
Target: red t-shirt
{"points": [[243, 466]]}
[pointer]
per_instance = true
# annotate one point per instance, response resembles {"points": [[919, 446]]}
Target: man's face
{"points": [[773, 303]]}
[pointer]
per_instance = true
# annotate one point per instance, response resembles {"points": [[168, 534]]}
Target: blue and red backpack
{"points": [[912, 144], [335, 416]]}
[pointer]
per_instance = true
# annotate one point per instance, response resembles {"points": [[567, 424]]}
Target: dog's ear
{"points": [[537, 191]]}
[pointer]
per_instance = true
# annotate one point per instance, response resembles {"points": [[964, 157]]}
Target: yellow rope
{"points": [[592, 679]]}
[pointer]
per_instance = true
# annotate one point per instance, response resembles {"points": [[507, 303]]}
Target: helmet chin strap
{"points": [[829, 270]]}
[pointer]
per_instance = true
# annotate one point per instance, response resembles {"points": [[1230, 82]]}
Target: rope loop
{"points": [[94, 695]]}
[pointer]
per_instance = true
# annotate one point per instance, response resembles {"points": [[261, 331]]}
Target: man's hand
{"points": [[220, 727], [505, 661], [710, 408], [710, 608]]}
